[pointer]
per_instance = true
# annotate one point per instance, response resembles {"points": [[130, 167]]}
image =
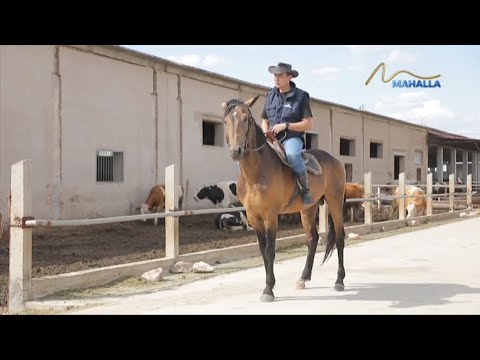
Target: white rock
{"points": [[202, 267], [153, 275], [181, 267], [353, 236], [469, 213], [413, 223]]}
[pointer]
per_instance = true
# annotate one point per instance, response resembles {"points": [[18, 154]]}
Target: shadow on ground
{"points": [[402, 295]]}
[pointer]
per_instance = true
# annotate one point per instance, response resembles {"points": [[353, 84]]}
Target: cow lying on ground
{"points": [[290, 218], [234, 220], [156, 201], [294, 218], [415, 203], [440, 187], [353, 191], [222, 194]]}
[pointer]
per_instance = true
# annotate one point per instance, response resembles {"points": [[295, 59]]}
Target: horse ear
{"points": [[224, 105], [252, 101]]}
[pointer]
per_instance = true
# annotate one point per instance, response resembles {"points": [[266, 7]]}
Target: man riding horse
{"points": [[287, 114]]}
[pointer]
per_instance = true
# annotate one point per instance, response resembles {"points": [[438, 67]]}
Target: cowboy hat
{"points": [[283, 68]]}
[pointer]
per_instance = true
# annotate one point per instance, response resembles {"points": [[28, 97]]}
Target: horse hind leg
{"points": [[309, 224], [336, 237]]}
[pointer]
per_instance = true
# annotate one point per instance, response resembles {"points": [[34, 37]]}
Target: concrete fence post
{"points": [[429, 192], [469, 190], [451, 189], [172, 245], [323, 218], [368, 193], [20, 263], [379, 193], [401, 186]]}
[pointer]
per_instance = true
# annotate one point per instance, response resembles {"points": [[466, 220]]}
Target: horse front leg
{"points": [[271, 226], [259, 228]]}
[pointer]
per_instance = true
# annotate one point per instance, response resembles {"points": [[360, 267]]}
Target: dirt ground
{"points": [[67, 249], [75, 248]]}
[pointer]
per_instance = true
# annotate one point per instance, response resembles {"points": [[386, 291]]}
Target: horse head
{"points": [[239, 125]]}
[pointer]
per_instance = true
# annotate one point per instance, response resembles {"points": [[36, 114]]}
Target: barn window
{"points": [[311, 141], [212, 133], [418, 158], [376, 150], [348, 172], [347, 147], [109, 166]]}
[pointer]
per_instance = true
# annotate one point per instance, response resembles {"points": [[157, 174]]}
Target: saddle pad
{"points": [[311, 163]]}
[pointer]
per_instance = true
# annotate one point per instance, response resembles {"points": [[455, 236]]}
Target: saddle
{"points": [[311, 163]]}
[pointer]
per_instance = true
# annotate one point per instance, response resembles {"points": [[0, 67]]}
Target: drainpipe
{"points": [[331, 131], [363, 143], [57, 128], [155, 114], [180, 127], [1, 149]]}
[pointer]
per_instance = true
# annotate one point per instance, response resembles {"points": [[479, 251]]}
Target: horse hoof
{"points": [[300, 284], [266, 298], [339, 287]]}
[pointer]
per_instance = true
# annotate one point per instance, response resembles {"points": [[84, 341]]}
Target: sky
{"points": [[337, 73]]}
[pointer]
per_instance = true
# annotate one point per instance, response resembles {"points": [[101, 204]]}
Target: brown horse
{"points": [[265, 187]]}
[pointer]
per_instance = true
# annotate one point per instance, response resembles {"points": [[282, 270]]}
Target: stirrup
{"points": [[306, 198]]}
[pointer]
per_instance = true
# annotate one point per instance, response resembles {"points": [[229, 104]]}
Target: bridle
{"points": [[250, 125]]}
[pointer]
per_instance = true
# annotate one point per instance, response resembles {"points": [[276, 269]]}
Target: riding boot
{"points": [[306, 196]]}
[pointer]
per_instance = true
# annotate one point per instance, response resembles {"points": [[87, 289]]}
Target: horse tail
{"points": [[330, 239]]}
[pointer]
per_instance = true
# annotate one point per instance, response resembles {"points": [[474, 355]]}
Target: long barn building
{"points": [[101, 122]]}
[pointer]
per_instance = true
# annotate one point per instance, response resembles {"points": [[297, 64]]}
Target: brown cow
{"points": [[353, 191], [415, 203], [156, 201]]}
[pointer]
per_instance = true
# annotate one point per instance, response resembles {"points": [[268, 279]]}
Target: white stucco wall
{"points": [[106, 104], [58, 113], [321, 125], [349, 126], [377, 130], [26, 130]]}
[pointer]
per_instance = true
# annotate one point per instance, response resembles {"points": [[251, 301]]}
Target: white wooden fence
{"points": [[21, 223]]}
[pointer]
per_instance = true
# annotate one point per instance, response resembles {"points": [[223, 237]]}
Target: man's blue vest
{"points": [[282, 108]]}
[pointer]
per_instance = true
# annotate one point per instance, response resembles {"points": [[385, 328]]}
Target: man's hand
{"points": [[279, 128], [270, 136]]}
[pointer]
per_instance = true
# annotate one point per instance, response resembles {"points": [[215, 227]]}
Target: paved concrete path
{"points": [[430, 271]]}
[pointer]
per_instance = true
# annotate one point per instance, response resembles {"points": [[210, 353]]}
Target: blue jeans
{"points": [[293, 149]]}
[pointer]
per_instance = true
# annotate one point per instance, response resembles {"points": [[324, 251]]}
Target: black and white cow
{"points": [[440, 187], [222, 194], [234, 220]]}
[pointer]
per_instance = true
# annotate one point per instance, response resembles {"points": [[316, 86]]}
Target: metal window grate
{"points": [[109, 166]]}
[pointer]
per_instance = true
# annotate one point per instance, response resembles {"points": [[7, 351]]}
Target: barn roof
{"points": [[443, 138]]}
